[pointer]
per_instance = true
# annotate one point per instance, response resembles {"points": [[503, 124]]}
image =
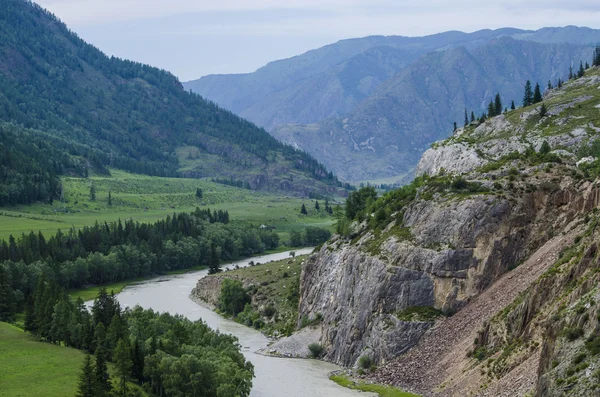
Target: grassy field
{"points": [[29, 368], [146, 199], [383, 391]]}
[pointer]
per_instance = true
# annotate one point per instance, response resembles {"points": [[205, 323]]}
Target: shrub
{"points": [[365, 362], [316, 350], [573, 334], [233, 297]]}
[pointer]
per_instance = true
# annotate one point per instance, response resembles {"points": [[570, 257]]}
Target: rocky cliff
{"points": [[480, 277]]}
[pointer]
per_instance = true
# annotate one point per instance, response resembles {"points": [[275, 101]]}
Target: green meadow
{"points": [[147, 199]]}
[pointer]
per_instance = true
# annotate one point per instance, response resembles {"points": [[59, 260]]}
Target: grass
{"points": [[30, 368], [382, 391], [147, 199], [273, 282]]}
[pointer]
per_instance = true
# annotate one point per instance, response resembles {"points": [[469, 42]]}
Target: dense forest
{"points": [[111, 252], [101, 112], [168, 355]]}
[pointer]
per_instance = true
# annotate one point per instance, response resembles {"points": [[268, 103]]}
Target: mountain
{"points": [[326, 82], [385, 135], [89, 112], [481, 276]]}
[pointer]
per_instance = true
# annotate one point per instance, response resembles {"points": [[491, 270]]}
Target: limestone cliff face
{"points": [[493, 197]]}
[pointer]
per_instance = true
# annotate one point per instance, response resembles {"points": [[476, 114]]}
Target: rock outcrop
{"points": [[458, 291]]}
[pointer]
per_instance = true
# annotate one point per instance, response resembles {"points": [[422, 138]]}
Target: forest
{"points": [[96, 112]]}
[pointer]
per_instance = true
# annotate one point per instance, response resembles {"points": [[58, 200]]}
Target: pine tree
{"points": [[122, 359], [587, 65], [581, 71], [137, 360], [528, 96], [317, 206], [537, 94], [102, 383], [571, 76], [455, 127], [498, 104], [93, 193], [472, 116], [87, 385], [543, 110], [109, 198], [550, 85], [560, 83], [214, 260], [491, 110], [303, 210], [466, 118], [596, 60]]}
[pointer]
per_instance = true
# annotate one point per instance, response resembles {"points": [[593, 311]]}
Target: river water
{"points": [[275, 377]]}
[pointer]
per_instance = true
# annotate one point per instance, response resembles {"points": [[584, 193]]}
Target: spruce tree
{"points": [[571, 76], [93, 193], [596, 60], [498, 104], [466, 118], [537, 94], [581, 71], [472, 116], [87, 385], [528, 96], [102, 383], [512, 105], [137, 360], [560, 83], [214, 260], [122, 359], [550, 85], [303, 210], [317, 206], [491, 110], [109, 199], [543, 110], [455, 126]]}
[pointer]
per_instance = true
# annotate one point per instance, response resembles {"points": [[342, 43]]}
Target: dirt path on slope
{"points": [[440, 356]]}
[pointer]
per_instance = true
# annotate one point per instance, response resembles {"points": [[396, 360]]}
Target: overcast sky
{"points": [[192, 38]]}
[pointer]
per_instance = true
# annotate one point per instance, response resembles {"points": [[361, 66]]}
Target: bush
{"points": [[316, 350], [573, 334], [365, 362], [233, 297]]}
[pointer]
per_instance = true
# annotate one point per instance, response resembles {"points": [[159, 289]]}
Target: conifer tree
{"points": [[528, 96], [571, 76], [560, 83], [491, 110], [109, 198], [122, 359], [472, 116], [455, 126], [214, 260], [512, 105], [498, 104], [537, 94], [93, 193], [102, 383], [303, 210], [317, 206], [550, 85], [543, 110], [137, 360], [596, 60], [466, 118], [581, 71], [86, 386]]}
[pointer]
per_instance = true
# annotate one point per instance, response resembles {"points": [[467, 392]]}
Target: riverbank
{"points": [[90, 293]]}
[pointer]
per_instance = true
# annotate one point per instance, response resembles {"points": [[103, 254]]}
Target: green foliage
{"points": [[537, 94], [358, 202], [543, 111], [572, 333], [528, 95], [316, 350], [233, 298], [419, 313], [382, 391], [593, 345], [365, 362], [86, 386]]}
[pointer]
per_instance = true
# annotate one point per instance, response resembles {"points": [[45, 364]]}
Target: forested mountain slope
{"points": [[385, 135], [64, 96], [481, 276]]}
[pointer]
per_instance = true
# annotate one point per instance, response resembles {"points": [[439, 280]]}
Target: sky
{"points": [[193, 38]]}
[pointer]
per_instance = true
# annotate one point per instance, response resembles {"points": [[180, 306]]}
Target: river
{"points": [[275, 377]]}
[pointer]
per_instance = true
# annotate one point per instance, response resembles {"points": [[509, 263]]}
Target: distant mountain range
{"points": [[88, 112], [367, 108]]}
